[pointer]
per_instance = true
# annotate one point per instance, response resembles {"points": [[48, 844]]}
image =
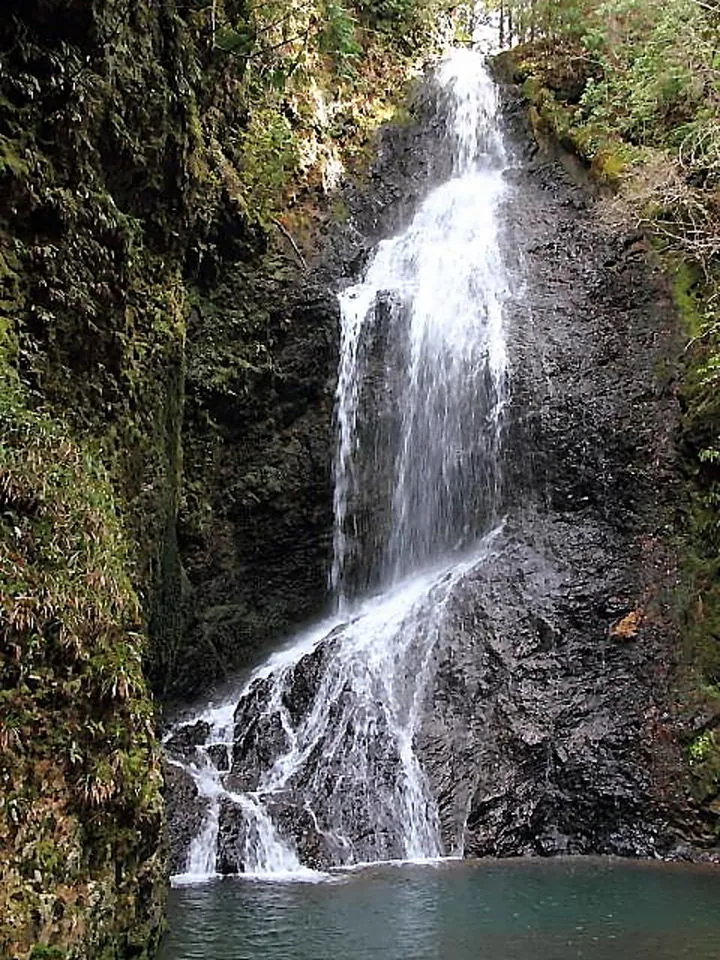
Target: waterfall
{"points": [[314, 761], [417, 471]]}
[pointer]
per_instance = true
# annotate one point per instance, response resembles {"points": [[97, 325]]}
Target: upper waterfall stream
{"points": [[417, 466], [314, 761]]}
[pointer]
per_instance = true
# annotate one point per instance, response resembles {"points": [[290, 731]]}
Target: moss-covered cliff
{"points": [[80, 807], [96, 190], [164, 393]]}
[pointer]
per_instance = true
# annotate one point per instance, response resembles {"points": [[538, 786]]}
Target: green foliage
{"points": [[701, 747], [405, 20], [277, 35], [11, 162], [649, 86], [44, 952], [282, 54], [656, 63], [269, 157], [523, 20], [704, 757], [338, 36], [239, 40]]}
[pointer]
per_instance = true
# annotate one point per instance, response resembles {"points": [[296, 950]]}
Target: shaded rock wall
{"points": [[598, 145], [551, 723], [256, 520]]}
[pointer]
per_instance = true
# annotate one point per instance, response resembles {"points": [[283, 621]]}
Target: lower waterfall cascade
{"points": [[437, 290]]}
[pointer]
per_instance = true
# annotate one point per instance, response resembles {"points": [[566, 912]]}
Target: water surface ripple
{"points": [[594, 909]]}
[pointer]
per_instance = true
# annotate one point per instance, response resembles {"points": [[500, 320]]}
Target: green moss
{"points": [[43, 952], [339, 211], [699, 440], [704, 757], [532, 89], [78, 750], [608, 165], [11, 163], [403, 116], [701, 747], [684, 279]]}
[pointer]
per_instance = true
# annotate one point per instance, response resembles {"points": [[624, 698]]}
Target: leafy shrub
{"points": [[338, 36], [269, 157]]}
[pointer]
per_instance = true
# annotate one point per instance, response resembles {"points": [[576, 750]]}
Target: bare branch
{"points": [[288, 236]]}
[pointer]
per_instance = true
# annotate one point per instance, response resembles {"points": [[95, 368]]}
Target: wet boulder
{"points": [[186, 810], [186, 738], [231, 839], [533, 736]]}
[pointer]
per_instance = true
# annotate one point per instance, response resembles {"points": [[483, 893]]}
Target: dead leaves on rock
{"points": [[626, 628]]}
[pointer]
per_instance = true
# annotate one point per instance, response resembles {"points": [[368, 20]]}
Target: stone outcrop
{"points": [[256, 520], [550, 725]]}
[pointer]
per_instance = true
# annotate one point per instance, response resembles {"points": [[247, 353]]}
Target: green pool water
{"points": [[594, 909]]}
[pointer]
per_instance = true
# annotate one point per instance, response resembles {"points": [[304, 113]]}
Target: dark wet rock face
{"points": [[259, 739], [232, 837], [186, 739], [539, 727], [256, 523], [548, 724], [319, 805], [185, 810]]}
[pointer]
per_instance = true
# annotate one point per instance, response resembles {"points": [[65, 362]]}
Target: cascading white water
{"points": [[438, 289], [322, 761]]}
